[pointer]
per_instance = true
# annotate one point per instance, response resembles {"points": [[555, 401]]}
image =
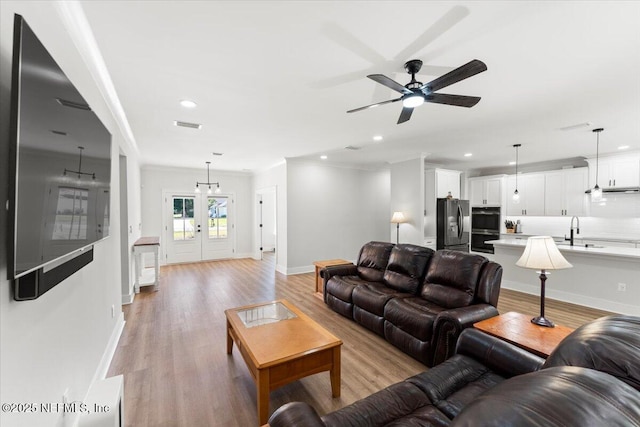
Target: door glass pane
{"points": [[217, 222], [183, 220]]}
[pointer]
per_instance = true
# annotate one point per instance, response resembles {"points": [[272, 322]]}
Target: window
{"points": [[183, 218], [217, 221]]}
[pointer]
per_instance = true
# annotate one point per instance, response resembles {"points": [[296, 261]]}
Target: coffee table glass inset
{"points": [[281, 344]]}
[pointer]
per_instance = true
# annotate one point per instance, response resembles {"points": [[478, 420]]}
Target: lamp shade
{"points": [[398, 218], [542, 253]]}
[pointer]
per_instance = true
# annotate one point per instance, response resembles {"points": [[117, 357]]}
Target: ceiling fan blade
{"points": [[405, 115], [374, 105], [457, 100], [392, 84], [467, 70]]}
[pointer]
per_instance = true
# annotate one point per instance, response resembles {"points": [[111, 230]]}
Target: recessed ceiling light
{"points": [[188, 104], [468, 154], [623, 147], [512, 163], [323, 157], [377, 138]]}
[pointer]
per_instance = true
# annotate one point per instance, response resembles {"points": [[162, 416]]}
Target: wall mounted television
{"points": [[59, 174]]}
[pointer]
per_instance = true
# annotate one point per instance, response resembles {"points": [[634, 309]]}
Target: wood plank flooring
{"points": [[172, 352]]}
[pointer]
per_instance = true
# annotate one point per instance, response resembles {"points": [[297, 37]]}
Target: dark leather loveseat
{"points": [[591, 379], [418, 299]]}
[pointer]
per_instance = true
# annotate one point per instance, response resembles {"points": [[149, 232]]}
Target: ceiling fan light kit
{"points": [[416, 93]]}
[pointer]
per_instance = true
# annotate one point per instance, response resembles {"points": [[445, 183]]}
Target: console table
{"points": [[517, 329], [141, 246]]}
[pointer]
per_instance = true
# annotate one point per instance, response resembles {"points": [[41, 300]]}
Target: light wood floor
{"points": [[176, 370]]}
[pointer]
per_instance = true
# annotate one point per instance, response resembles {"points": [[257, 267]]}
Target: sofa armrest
{"points": [[336, 270], [450, 323], [500, 356], [295, 414]]}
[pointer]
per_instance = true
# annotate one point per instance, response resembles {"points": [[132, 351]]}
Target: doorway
{"points": [[266, 232], [198, 227]]}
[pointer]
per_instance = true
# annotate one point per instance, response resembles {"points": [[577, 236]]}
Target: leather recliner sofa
{"points": [[418, 299], [591, 379]]}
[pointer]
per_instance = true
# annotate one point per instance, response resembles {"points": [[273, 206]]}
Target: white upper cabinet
{"points": [[447, 181], [564, 192], [486, 190], [615, 171], [531, 190]]}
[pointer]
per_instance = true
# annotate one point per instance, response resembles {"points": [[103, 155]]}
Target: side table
{"points": [[517, 329], [141, 246], [324, 264]]}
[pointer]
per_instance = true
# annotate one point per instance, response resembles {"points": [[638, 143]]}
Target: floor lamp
{"points": [[541, 253], [398, 218]]}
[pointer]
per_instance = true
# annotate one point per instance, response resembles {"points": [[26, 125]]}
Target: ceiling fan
{"points": [[415, 93]]}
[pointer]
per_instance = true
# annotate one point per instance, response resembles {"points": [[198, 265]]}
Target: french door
{"points": [[198, 227]]}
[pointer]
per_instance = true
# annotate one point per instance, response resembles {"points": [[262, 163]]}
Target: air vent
{"points": [[217, 154], [576, 126], [72, 104], [352, 147], [59, 132], [187, 124]]}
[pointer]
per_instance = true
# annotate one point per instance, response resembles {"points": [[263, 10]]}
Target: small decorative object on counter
{"points": [[449, 196], [518, 227], [510, 226]]}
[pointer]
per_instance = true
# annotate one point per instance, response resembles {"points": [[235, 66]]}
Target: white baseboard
{"points": [[128, 299], [301, 270], [103, 367]]}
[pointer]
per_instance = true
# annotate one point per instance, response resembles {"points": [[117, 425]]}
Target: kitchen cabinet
{"points": [[486, 190], [447, 181], [564, 192], [615, 171], [531, 190]]}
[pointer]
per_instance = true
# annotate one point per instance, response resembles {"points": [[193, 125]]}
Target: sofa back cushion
{"points": [[609, 344], [373, 260], [452, 277], [488, 289], [406, 268]]}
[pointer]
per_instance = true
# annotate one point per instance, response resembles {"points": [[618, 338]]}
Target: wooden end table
{"points": [[517, 329], [281, 344], [324, 264]]}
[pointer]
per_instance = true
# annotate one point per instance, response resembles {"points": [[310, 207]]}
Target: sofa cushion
{"points": [[610, 344], [413, 315], [406, 268], [372, 297], [381, 408], [455, 383], [555, 397], [342, 286], [452, 277], [373, 260]]}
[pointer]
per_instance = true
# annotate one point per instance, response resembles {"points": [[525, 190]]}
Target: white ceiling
{"points": [[274, 80]]}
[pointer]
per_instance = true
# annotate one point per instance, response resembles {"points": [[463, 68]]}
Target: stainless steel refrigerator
{"points": [[453, 224]]}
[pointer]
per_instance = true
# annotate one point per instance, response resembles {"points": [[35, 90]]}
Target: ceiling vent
{"points": [[72, 104], [352, 147], [217, 154], [187, 124], [576, 126], [59, 132]]}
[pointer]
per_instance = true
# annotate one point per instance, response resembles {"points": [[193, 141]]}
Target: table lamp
{"points": [[398, 218], [542, 254]]}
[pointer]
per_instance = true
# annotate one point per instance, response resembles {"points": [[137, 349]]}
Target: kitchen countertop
{"points": [[598, 238], [615, 252]]}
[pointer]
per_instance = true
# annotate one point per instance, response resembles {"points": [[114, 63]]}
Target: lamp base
{"points": [[543, 321]]}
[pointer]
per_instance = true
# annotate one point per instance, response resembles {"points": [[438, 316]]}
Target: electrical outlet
{"points": [[113, 311], [622, 287]]}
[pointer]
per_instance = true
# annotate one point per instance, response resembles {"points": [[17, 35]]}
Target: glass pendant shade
{"points": [[516, 197], [197, 189], [596, 191]]}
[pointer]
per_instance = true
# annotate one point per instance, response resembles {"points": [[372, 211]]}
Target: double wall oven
{"points": [[485, 225]]}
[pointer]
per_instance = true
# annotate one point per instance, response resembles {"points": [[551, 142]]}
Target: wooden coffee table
{"points": [[281, 344], [517, 329]]}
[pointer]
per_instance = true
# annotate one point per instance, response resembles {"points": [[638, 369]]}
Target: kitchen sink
{"points": [[580, 245]]}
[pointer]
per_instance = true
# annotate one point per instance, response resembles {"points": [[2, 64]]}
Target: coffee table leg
{"points": [[229, 339], [262, 386], [334, 372]]}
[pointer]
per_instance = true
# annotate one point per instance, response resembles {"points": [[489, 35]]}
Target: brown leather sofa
{"points": [[591, 379], [420, 300]]}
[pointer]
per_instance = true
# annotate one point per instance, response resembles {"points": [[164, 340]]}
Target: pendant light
{"points": [[596, 191], [208, 183], [516, 195]]}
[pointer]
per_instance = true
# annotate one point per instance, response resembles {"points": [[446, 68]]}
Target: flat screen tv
{"points": [[59, 174]]}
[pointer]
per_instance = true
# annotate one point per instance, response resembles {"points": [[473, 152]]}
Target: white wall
{"points": [[63, 339], [332, 211], [407, 196], [274, 178], [156, 179]]}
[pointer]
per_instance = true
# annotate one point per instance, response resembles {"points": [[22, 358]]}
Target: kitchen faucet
{"points": [[570, 239]]}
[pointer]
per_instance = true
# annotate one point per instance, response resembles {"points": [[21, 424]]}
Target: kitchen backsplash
{"points": [[619, 228]]}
